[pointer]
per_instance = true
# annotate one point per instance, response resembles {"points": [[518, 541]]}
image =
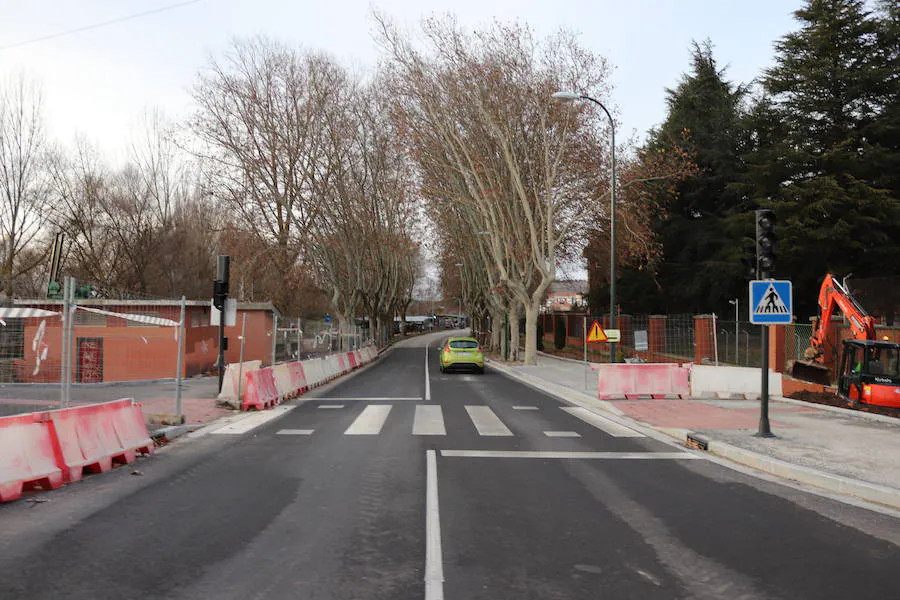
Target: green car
{"points": [[462, 352]]}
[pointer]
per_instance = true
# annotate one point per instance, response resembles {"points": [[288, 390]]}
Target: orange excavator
{"points": [[869, 369]]}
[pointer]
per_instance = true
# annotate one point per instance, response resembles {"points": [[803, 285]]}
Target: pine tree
{"points": [[704, 226], [828, 90]]}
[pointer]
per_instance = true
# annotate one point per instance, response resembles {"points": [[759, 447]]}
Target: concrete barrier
{"points": [[708, 381], [656, 380], [27, 455]]}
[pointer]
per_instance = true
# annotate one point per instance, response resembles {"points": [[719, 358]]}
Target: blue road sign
{"points": [[327, 318], [771, 302]]}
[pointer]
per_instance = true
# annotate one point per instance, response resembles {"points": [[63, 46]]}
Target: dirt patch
{"points": [[835, 400]]}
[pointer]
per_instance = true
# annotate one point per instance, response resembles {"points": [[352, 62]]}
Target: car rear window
{"points": [[462, 344]]}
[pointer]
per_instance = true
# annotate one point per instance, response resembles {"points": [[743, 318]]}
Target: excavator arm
{"points": [[833, 295]]}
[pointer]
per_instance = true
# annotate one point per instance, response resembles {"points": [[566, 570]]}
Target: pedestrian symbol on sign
{"points": [[771, 303]]}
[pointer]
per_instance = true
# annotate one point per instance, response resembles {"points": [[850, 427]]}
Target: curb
{"points": [[837, 484], [167, 434]]}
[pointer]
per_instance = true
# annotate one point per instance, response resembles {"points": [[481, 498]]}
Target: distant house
{"points": [[566, 295]]}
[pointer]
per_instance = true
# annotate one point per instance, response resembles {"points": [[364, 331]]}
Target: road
{"points": [[487, 490]]}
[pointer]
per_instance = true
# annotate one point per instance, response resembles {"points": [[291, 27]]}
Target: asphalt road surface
{"points": [[461, 486]]}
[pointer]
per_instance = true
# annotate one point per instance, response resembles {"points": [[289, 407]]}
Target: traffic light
{"points": [[220, 292], [765, 242]]}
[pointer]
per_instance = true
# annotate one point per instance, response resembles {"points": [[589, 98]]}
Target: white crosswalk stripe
{"points": [[429, 420], [370, 420], [487, 422], [602, 423]]}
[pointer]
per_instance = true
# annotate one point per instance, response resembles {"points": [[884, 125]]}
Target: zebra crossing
{"points": [[428, 420]]}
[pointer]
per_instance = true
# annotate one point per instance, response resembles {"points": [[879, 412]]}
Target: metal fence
{"points": [[649, 338], [75, 349]]}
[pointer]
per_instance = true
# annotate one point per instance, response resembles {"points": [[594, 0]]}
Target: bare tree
{"points": [[23, 180]]}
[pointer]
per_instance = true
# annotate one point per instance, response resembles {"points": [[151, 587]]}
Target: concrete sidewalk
{"points": [[842, 451], [157, 398]]}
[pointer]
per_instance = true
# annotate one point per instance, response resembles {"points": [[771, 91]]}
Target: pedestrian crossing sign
{"points": [[597, 334], [771, 302]]}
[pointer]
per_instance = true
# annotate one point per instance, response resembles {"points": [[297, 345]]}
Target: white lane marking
{"points": [[487, 422], [369, 399], [429, 420], [370, 420], [295, 432], [602, 423], [574, 455], [562, 434], [253, 420], [434, 562], [525, 408], [427, 378], [331, 406]]}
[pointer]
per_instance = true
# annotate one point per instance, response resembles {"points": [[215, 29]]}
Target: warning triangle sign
{"points": [[597, 334], [771, 303]]}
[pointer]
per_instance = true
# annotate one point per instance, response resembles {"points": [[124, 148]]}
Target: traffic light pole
{"points": [[220, 294], [765, 261]]}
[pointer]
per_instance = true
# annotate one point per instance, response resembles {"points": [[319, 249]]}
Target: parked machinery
{"points": [[869, 369]]}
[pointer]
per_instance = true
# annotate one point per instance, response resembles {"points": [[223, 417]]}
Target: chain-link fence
{"points": [[71, 347], [647, 338], [739, 343], [299, 339]]}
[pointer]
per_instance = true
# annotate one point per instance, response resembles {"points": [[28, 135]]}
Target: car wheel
{"points": [[480, 370]]}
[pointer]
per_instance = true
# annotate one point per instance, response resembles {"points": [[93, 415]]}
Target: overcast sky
{"points": [[99, 81]]}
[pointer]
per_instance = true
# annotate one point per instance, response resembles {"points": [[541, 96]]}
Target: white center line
{"points": [[525, 408], [573, 455], [434, 562], [429, 420], [609, 426], [295, 432], [331, 406], [562, 434], [427, 378], [370, 420], [486, 422]]}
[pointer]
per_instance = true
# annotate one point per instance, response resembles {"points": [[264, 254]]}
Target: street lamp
{"points": [[568, 97]]}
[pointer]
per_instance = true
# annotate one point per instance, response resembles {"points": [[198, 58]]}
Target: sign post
{"points": [[771, 303]]}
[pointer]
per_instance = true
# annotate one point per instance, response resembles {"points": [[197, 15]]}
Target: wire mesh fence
{"points": [[643, 338]]}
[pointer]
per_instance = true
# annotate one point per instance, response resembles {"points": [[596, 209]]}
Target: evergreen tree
{"points": [[835, 209], [702, 234]]}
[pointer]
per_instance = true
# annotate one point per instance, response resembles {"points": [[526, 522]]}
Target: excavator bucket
{"points": [[811, 371]]}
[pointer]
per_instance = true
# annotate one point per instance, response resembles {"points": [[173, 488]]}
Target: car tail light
{"points": [[867, 390]]}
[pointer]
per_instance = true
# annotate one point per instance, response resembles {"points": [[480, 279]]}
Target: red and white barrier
{"points": [[284, 382], [27, 456], [616, 381], [47, 449], [92, 437], [266, 387]]}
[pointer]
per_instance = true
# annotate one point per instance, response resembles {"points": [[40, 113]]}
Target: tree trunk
{"points": [[496, 329], [531, 318], [514, 331]]}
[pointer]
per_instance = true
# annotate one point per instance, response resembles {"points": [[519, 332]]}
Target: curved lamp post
{"points": [[568, 97]]}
